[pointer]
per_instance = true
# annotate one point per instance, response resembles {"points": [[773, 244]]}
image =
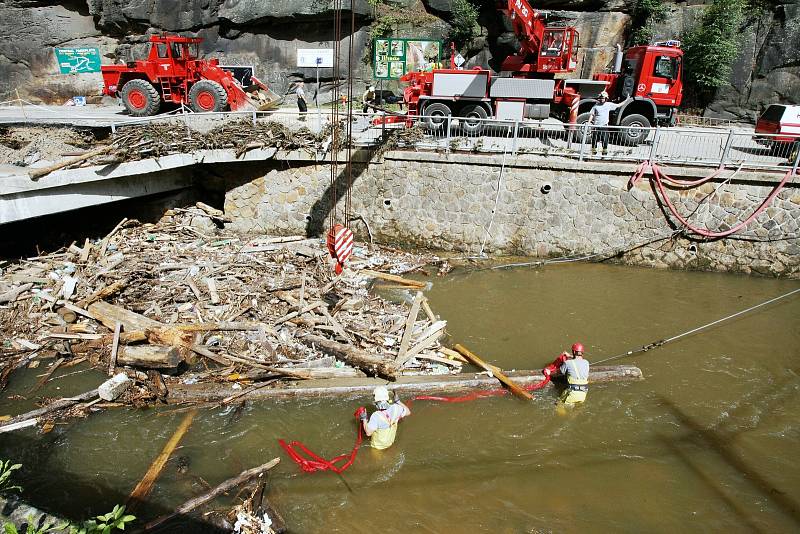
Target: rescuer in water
{"points": [[576, 371], [381, 426]]}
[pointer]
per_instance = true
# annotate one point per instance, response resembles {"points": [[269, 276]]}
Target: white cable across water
{"points": [[692, 331]]}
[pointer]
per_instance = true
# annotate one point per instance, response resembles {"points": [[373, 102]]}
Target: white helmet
{"points": [[381, 394], [602, 94]]}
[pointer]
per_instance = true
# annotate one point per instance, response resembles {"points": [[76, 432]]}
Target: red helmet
{"points": [[577, 347]]}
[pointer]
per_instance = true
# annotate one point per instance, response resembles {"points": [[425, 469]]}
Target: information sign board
{"points": [[395, 57], [78, 60], [315, 57]]}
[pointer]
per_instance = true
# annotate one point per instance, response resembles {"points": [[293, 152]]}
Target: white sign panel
{"points": [[315, 57]]}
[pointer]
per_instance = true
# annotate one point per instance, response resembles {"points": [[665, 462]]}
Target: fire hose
{"points": [[659, 178], [311, 462]]}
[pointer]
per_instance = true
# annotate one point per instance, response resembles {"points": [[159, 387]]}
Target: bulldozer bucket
{"points": [[262, 97]]}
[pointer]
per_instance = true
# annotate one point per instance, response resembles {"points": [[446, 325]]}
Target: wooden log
{"points": [[404, 385], [427, 308], [394, 278], [409, 327], [107, 238], [103, 292], [149, 356], [144, 486], [52, 407], [13, 294], [109, 315], [432, 335], [35, 174], [112, 361], [228, 485], [43, 380], [515, 389], [353, 356]]}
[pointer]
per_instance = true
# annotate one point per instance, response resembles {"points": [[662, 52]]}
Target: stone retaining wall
{"points": [[446, 201]]}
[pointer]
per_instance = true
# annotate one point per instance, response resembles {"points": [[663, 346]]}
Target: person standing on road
{"points": [[599, 118], [381, 426], [301, 99], [368, 99]]}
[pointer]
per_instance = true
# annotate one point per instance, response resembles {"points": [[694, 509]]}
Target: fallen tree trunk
{"points": [[200, 500], [406, 386], [372, 365]]}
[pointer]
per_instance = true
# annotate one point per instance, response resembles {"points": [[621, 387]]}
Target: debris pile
{"points": [[171, 304]]}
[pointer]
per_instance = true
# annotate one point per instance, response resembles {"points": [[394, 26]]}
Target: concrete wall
{"points": [[445, 202]]}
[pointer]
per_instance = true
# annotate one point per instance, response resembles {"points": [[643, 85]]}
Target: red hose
{"points": [[659, 178]]}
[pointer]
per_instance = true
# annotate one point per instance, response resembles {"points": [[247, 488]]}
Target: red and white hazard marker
{"points": [[340, 245]]}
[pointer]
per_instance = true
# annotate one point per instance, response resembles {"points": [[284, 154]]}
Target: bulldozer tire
{"points": [[473, 120], [208, 95], [140, 98], [436, 116], [638, 129]]}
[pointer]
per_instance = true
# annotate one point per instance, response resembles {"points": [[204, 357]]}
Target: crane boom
{"points": [[544, 50]]}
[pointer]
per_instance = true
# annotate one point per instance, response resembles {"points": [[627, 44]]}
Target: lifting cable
{"points": [[662, 342], [488, 229]]}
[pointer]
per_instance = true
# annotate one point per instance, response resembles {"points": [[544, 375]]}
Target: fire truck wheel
{"points": [[637, 129], [140, 98], [474, 119], [583, 118], [208, 95], [436, 116]]}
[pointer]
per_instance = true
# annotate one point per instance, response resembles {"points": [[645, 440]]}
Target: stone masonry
{"points": [[445, 202]]}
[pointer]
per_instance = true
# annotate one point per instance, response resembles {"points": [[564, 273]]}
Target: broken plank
{"points": [[109, 315], [144, 486], [43, 380], [112, 361], [50, 408], [426, 342], [409, 326], [212, 290], [515, 389]]}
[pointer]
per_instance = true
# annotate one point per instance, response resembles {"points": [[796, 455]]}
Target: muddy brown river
{"points": [[706, 443]]}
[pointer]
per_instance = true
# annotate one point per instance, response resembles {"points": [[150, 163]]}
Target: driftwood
{"points": [[515, 389], [13, 294], [405, 385], [228, 485], [372, 365], [409, 327], [109, 315], [50, 408], [35, 174], [144, 486], [149, 356], [394, 278]]}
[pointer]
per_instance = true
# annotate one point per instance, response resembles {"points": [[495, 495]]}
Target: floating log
{"points": [[404, 385], [515, 389], [144, 486], [200, 500], [149, 356], [353, 356], [50, 408]]}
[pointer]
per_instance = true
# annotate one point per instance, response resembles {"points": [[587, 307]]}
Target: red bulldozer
{"points": [[173, 74]]}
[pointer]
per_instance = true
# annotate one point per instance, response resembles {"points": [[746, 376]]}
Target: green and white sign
{"points": [[78, 60], [395, 57]]}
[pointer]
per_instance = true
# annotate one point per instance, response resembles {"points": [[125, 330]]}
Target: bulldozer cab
{"points": [[173, 48]]}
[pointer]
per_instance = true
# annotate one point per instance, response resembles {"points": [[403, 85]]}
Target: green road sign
{"points": [[395, 57], [78, 60]]}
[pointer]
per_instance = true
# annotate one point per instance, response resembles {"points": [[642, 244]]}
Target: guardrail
{"points": [[691, 146]]}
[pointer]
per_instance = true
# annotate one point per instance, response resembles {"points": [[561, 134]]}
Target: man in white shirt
{"points": [[599, 117]]}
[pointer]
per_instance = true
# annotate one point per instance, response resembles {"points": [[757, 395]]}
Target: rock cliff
{"points": [[268, 34]]}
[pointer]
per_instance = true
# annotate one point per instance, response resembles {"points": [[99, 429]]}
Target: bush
{"points": [[462, 25], [646, 14], [713, 45]]}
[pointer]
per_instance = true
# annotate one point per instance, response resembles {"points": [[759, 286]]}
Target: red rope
{"points": [[311, 462]]}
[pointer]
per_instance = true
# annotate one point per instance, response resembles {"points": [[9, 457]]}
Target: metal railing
{"points": [[679, 145]]}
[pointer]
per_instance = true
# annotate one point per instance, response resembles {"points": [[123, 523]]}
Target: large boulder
{"points": [[250, 11]]}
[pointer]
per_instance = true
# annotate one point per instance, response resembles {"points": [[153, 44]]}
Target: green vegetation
{"points": [[713, 45], [102, 524], [465, 19], [646, 14], [6, 469]]}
